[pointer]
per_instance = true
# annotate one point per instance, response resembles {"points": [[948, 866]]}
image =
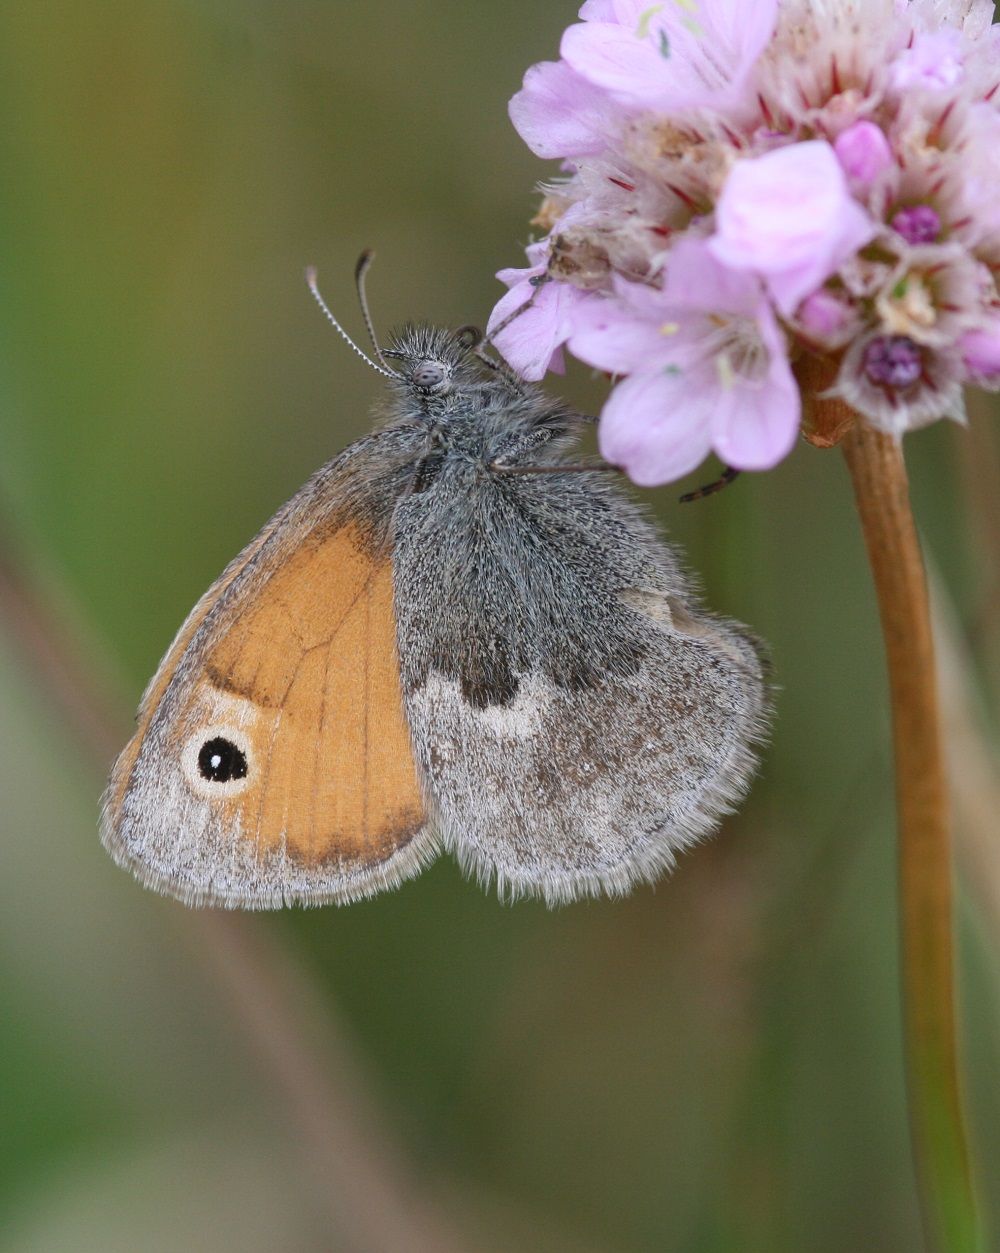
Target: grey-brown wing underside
{"points": [[577, 716]]}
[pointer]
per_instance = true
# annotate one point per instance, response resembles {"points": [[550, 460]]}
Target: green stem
{"points": [[944, 1176]]}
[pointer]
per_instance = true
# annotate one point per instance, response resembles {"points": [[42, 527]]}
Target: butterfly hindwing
{"points": [[579, 716]]}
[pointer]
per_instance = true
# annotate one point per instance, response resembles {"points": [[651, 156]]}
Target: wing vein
{"points": [[317, 743]]}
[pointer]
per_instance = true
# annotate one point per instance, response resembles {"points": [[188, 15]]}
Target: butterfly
{"points": [[449, 638]]}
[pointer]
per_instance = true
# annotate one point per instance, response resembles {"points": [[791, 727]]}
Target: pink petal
{"points": [[624, 12], [694, 278], [789, 216], [669, 57], [610, 335], [532, 343], [737, 32], [614, 58], [598, 11], [530, 340], [559, 114], [755, 425], [538, 258], [656, 427]]}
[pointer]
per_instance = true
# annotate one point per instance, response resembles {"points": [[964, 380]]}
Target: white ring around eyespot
{"points": [[207, 788]]}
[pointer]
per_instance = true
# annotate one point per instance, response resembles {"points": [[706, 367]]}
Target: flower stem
{"points": [[944, 1176]]}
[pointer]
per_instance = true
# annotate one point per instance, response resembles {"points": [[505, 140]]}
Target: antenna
{"points": [[379, 369], [360, 271]]}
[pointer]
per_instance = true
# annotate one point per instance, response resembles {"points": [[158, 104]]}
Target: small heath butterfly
{"points": [[445, 640]]}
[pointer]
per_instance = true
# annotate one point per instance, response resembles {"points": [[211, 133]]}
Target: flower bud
{"points": [[980, 351], [864, 152]]}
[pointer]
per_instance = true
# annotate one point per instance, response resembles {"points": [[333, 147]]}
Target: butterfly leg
{"points": [[508, 460], [710, 489]]}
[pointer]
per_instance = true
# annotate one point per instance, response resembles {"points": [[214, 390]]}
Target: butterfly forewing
{"points": [[272, 763]]}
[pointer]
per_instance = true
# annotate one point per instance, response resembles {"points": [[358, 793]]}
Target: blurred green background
{"points": [[712, 1066]]}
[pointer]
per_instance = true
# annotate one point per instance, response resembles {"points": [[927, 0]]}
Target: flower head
{"points": [[746, 182]]}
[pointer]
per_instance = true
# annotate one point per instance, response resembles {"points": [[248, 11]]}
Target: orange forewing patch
{"points": [[316, 655], [308, 661]]}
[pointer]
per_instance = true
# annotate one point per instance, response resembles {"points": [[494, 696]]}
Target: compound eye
{"points": [[428, 374]]}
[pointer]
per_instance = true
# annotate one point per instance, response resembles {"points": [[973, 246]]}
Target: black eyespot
{"points": [[428, 374], [220, 760]]}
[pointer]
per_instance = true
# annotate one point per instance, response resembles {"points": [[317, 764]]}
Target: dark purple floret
{"points": [[893, 360], [918, 225]]}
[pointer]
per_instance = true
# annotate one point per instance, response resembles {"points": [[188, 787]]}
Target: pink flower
{"points": [[708, 370], [533, 340], [789, 217], [747, 180], [670, 56]]}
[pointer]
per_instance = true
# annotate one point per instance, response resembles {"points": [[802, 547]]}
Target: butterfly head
{"points": [[433, 362]]}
